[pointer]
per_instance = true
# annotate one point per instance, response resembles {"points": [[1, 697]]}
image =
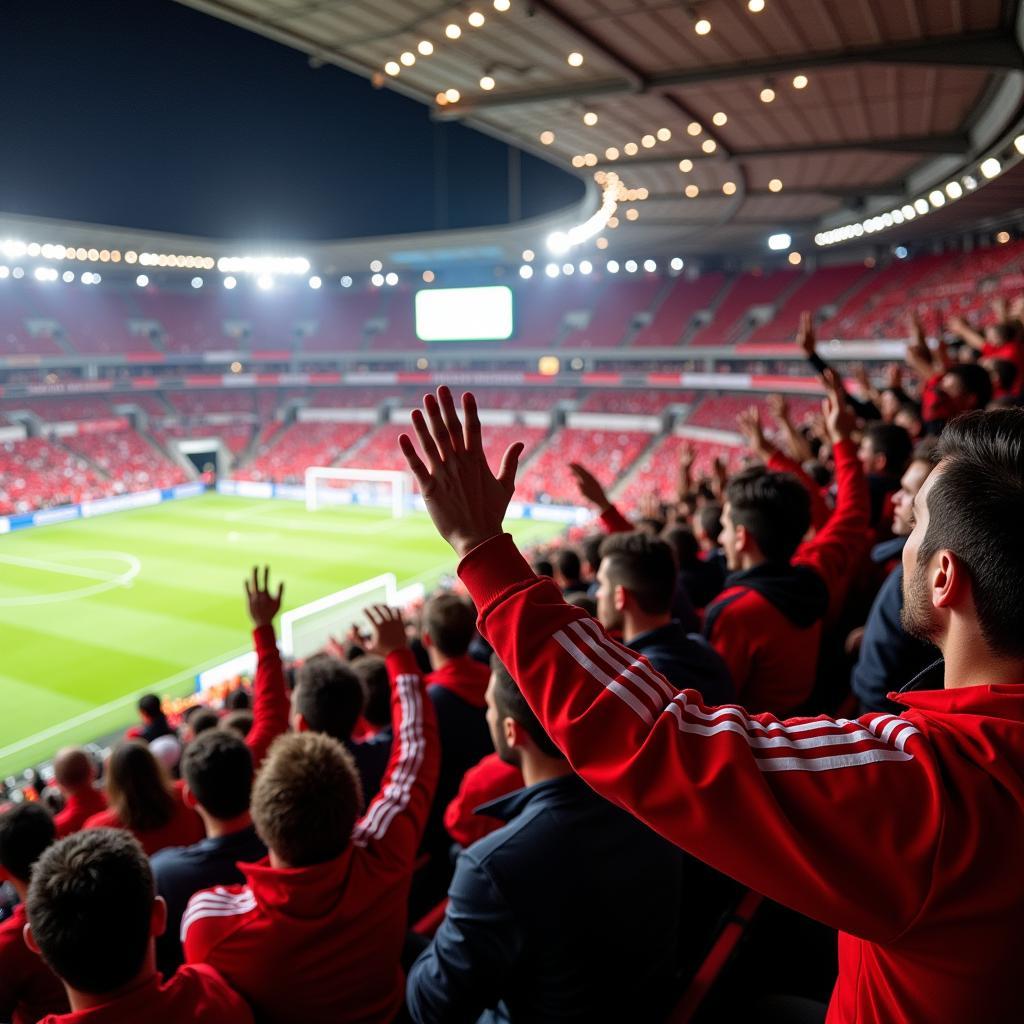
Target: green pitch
{"points": [[95, 612]]}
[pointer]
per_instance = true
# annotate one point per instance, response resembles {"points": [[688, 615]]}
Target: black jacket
{"points": [[568, 913], [687, 661]]}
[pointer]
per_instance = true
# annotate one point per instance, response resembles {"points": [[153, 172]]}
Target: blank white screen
{"points": [[464, 314]]}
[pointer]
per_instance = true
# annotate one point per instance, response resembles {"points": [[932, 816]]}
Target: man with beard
{"points": [[529, 921], [902, 832]]}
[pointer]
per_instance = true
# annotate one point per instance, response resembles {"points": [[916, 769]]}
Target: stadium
{"points": [[509, 511]]}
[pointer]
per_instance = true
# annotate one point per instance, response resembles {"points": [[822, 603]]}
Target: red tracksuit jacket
{"points": [[322, 943], [905, 833], [772, 660], [28, 988]]}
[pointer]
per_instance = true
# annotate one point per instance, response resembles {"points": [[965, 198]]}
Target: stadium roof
{"points": [[892, 99]]}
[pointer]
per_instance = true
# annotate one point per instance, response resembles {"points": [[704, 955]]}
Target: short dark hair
{"points": [[239, 722], [306, 799], [581, 599], [975, 509], [138, 789], [684, 545], [893, 442], [542, 567], [372, 672], [450, 622], [1006, 373], [774, 508], [591, 546], [975, 380], [710, 519], [201, 719], [25, 832], [510, 703], [645, 566], [217, 767], [238, 700], [328, 695], [568, 564], [90, 904], [73, 768], [149, 705]]}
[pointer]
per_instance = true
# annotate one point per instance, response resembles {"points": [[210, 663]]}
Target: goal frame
{"points": [[399, 491]]}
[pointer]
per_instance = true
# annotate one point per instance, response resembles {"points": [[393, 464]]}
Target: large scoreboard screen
{"points": [[465, 314]]}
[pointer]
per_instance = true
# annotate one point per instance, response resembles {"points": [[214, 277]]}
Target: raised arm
{"points": [[797, 443], [590, 488], [963, 330], [788, 808], [396, 816], [807, 340], [270, 699]]}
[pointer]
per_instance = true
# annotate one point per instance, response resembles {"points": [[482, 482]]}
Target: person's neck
{"points": [[537, 767], [633, 625], [218, 827], [748, 560], [439, 660], [970, 662], [87, 1000]]}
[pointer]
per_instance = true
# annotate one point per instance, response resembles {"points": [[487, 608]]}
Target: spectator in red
{"points": [[28, 988], [154, 721], [75, 773], [317, 933], [143, 800], [884, 453], [902, 832], [93, 917]]}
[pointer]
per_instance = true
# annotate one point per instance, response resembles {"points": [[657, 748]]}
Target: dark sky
{"points": [[145, 113]]}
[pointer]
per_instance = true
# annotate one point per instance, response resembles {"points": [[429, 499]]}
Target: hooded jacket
{"points": [[323, 943], [767, 622], [902, 832]]}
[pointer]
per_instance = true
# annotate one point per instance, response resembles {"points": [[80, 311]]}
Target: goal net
{"points": [[328, 486]]}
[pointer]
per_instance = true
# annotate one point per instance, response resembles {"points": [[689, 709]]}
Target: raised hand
{"points": [[687, 456], [590, 487], [779, 408], [263, 605], [805, 337], [466, 501], [387, 630], [749, 422], [840, 419]]}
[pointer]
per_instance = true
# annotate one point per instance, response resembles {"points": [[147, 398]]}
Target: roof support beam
{"points": [[992, 50]]}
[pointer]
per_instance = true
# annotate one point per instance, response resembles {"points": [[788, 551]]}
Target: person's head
{"points": [[238, 700], [964, 561], [568, 567], [581, 599], [1004, 332], [26, 830], [217, 769], [239, 722], [543, 567], [198, 719], [138, 788], [515, 730], [150, 709], [683, 544], [909, 418], [764, 518], [968, 386], [447, 626], [73, 770], [1004, 376], [914, 476], [92, 910], [890, 401], [306, 799], [885, 449], [328, 697], [707, 526], [372, 673], [636, 582], [591, 547]]}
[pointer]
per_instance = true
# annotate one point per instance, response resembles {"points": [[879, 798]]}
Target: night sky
{"points": [[147, 114]]}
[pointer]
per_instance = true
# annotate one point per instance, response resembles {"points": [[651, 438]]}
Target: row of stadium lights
{"points": [[585, 267], [989, 168]]}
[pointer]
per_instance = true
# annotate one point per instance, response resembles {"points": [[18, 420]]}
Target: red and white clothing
{"points": [[198, 995], [28, 988], [902, 832], [271, 705], [323, 943], [80, 807], [184, 828]]}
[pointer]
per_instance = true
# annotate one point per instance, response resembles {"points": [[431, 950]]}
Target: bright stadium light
{"points": [[18, 273], [67, 277], [315, 282], [229, 282], [568, 269], [345, 281], [391, 279], [526, 272], [377, 280], [677, 263], [142, 280], [552, 270], [264, 282], [586, 267], [45, 274], [558, 242], [779, 242], [612, 266], [650, 266], [631, 266], [376, 266], [197, 282], [990, 167]]}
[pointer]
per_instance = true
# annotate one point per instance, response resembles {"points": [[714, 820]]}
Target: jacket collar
{"points": [[671, 633], [927, 693], [888, 549], [310, 893], [513, 804], [795, 590], [464, 677]]}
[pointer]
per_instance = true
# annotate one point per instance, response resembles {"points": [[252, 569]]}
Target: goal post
{"points": [[385, 487]]}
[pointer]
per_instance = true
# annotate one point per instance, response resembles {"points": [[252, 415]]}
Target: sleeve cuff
{"points": [[614, 521], [402, 663], [264, 639], [492, 568], [846, 449]]}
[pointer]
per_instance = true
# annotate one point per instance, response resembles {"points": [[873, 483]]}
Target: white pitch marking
{"points": [[107, 581]]}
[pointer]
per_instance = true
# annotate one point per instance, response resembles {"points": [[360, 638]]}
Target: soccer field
{"points": [[94, 612]]}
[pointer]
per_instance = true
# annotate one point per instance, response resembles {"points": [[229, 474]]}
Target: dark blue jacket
{"points": [[687, 661], [889, 656], [182, 871], [371, 758], [570, 912]]}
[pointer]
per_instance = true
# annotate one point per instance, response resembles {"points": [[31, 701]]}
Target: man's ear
{"points": [[299, 724], [515, 734], [620, 597], [188, 796], [158, 918], [947, 579], [426, 640], [743, 539], [30, 940]]}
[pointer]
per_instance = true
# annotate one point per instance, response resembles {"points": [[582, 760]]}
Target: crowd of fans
{"points": [[540, 797]]}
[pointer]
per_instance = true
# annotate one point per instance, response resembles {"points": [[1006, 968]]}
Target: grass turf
{"points": [[94, 612]]}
